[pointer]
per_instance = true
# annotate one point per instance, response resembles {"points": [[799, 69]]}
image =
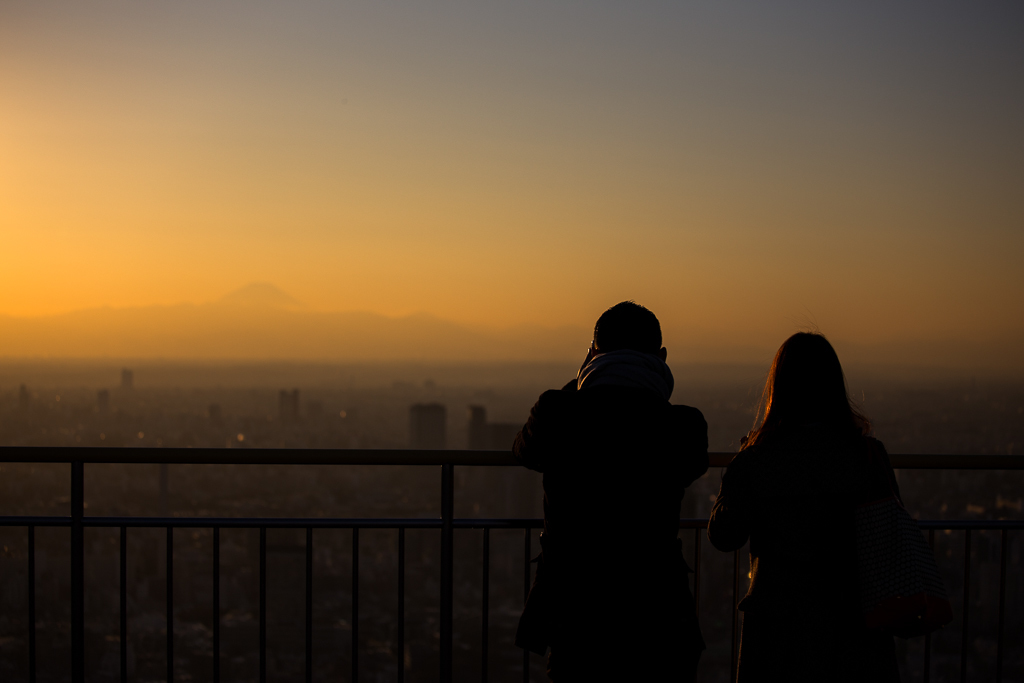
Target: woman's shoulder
{"points": [[746, 462], [874, 444], [866, 449]]}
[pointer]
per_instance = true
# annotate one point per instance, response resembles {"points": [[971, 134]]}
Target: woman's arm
{"points": [[729, 526], [887, 465]]}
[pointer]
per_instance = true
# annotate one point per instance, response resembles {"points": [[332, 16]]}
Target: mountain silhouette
{"points": [[261, 322], [260, 294]]}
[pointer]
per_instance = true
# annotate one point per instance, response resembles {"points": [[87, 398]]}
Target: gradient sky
{"points": [[741, 168]]}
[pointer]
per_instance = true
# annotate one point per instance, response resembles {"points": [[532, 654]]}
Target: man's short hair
{"points": [[627, 325]]}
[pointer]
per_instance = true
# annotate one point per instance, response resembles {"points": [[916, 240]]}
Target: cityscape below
{"points": [[396, 406]]}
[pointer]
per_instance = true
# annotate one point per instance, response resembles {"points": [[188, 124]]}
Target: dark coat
{"points": [[794, 498], [611, 596]]}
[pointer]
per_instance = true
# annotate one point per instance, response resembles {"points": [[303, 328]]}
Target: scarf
{"points": [[627, 368]]}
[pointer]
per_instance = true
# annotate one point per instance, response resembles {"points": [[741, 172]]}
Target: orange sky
{"points": [[742, 171]]}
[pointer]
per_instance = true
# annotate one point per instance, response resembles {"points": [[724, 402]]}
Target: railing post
{"points": [[309, 604], [32, 604], [401, 606], [447, 551], [735, 655], [216, 604], [123, 606], [169, 554], [964, 633], [263, 606], [164, 486], [1002, 606], [485, 591], [526, 595], [697, 533], [77, 572], [927, 673], [355, 605]]}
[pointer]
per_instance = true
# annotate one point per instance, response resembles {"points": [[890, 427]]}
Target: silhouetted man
{"points": [[611, 596]]}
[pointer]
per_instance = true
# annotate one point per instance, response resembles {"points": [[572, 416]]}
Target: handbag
{"points": [[901, 590]]}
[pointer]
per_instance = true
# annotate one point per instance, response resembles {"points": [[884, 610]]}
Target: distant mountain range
{"points": [[260, 321]]}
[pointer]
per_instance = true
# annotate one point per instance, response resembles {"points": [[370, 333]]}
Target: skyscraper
{"points": [[127, 378], [477, 437], [484, 435], [428, 426], [288, 405]]}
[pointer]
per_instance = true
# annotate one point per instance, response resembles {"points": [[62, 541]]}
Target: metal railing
{"points": [[77, 521]]}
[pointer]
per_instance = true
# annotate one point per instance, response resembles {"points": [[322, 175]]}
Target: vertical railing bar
{"points": [[485, 599], [263, 604], [32, 604], [927, 673], [697, 533], [216, 604], [170, 604], [447, 568], [734, 659], [309, 604], [1002, 606], [123, 633], [526, 595], [164, 477], [77, 572], [355, 604], [967, 606], [401, 604]]}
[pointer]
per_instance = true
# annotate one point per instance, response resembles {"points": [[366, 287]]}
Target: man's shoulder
{"points": [[687, 412], [557, 397], [555, 402], [688, 417], [628, 400]]}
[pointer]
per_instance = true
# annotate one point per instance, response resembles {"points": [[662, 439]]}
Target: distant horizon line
{"points": [[297, 309], [123, 361]]}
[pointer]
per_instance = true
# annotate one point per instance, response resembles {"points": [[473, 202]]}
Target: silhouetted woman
{"points": [[792, 490]]}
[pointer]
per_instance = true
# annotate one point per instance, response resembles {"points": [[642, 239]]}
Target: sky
{"points": [[744, 169]]}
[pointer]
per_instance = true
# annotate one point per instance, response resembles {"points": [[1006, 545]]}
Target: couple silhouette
{"points": [[611, 597]]}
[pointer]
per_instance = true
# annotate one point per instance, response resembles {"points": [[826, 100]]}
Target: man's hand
{"points": [[591, 352]]}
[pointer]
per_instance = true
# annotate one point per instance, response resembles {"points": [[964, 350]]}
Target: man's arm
{"points": [[695, 445], [539, 436]]}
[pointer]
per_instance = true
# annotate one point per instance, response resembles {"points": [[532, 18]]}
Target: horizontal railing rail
{"points": [[447, 460], [392, 456]]}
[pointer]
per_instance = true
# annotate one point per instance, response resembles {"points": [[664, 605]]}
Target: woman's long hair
{"points": [[805, 385]]}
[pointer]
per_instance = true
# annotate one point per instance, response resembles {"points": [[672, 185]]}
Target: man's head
{"points": [[628, 325]]}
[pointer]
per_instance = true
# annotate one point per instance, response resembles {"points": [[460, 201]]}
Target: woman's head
{"points": [[805, 385]]}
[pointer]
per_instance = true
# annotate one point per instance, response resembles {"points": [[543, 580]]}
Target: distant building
{"points": [[127, 378], [477, 436], [428, 426], [484, 435], [103, 400], [288, 405], [214, 413], [24, 397]]}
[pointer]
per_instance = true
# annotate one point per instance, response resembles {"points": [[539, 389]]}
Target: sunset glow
{"points": [[741, 169]]}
